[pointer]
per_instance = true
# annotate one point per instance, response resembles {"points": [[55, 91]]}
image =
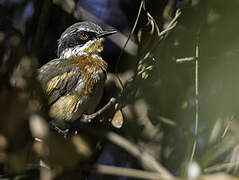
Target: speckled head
{"points": [[82, 38]]}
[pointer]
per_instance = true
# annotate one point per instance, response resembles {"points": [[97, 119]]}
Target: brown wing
{"points": [[58, 77]]}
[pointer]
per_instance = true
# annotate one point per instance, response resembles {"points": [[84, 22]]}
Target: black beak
{"points": [[106, 33]]}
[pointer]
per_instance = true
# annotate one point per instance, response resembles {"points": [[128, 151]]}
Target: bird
{"points": [[74, 81]]}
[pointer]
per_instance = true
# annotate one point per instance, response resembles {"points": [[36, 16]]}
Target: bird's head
{"points": [[82, 38]]}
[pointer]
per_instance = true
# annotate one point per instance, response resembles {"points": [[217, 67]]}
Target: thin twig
{"points": [[196, 91], [149, 68], [186, 59], [88, 118], [146, 159], [220, 167], [193, 149], [140, 174], [152, 21], [196, 105], [130, 34], [168, 121], [172, 24], [168, 9], [132, 30], [227, 127]]}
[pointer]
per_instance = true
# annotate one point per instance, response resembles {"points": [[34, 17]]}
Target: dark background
{"points": [[168, 92]]}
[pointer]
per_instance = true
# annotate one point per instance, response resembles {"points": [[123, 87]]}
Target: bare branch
{"points": [[172, 24], [196, 104], [227, 126], [88, 118], [186, 59], [145, 158], [130, 34], [168, 121], [220, 167], [140, 174]]}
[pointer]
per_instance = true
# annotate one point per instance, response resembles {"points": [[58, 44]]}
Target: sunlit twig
{"points": [[196, 105], [227, 127], [140, 174], [186, 59], [172, 24]]}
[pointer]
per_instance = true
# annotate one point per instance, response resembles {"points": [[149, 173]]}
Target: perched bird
{"points": [[74, 81]]}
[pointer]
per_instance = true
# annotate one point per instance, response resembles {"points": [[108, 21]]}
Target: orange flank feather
{"points": [[90, 65]]}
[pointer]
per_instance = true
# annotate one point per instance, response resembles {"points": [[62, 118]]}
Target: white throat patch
{"points": [[81, 50]]}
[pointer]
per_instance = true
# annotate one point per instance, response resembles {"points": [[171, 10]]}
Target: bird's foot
{"points": [[60, 131], [86, 118]]}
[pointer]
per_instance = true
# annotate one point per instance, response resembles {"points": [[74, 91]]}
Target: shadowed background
{"points": [[160, 118]]}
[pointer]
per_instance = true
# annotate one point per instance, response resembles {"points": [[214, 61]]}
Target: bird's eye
{"points": [[84, 36]]}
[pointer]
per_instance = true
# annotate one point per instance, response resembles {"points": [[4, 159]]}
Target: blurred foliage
{"points": [[159, 105]]}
